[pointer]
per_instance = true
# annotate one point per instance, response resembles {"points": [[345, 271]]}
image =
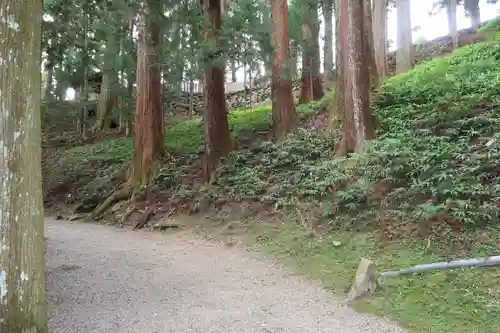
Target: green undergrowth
{"points": [[428, 187], [436, 157], [493, 26], [454, 301], [433, 171], [182, 137]]}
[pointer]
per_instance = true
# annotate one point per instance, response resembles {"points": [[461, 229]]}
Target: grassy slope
{"points": [[437, 175]]}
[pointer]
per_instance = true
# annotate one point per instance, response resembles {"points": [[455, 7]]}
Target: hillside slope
{"points": [[426, 190]]}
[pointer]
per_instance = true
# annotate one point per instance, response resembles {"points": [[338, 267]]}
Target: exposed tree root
{"points": [[127, 214], [145, 219], [122, 194]]}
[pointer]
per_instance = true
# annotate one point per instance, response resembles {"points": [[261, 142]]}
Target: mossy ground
{"points": [[426, 190]]}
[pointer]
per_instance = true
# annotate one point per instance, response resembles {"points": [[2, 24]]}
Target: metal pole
{"points": [[489, 261]]}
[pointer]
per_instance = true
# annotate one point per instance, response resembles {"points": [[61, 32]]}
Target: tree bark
{"points": [[217, 139], [337, 107], [452, 22], [317, 79], [82, 119], [356, 112], [108, 96], [311, 81], [107, 101], [474, 13], [50, 83], [328, 46], [233, 71], [283, 106], [293, 60], [61, 89], [380, 36], [369, 44], [149, 122], [306, 79], [404, 52], [22, 278]]}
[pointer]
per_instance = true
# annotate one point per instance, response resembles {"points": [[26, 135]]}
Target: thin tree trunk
{"points": [[404, 53], [452, 22], [311, 82], [380, 36], [107, 101], [108, 96], [191, 96], [328, 46], [317, 80], [82, 126], [369, 44], [130, 106], [250, 86], [336, 108], [357, 116], [22, 278], [283, 107], [293, 60], [149, 121], [61, 89], [306, 80], [130, 80], [472, 9], [50, 83], [217, 139], [233, 71], [123, 91], [245, 90]]}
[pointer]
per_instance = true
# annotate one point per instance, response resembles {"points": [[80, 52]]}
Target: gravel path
{"points": [[106, 280]]}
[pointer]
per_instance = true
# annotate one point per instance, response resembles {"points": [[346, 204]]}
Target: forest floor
{"points": [[102, 279], [426, 190]]}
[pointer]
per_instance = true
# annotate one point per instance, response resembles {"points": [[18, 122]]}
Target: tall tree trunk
{"points": [[123, 103], [108, 96], [293, 60], [283, 106], [451, 10], [233, 71], [328, 46], [311, 81], [336, 108], [149, 122], [130, 106], [22, 278], [106, 102], [369, 44], [404, 52], [131, 76], [268, 70], [191, 96], [250, 85], [317, 79], [380, 36], [245, 90], [82, 119], [50, 83], [306, 79], [61, 89], [472, 10], [356, 112], [217, 139]]}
